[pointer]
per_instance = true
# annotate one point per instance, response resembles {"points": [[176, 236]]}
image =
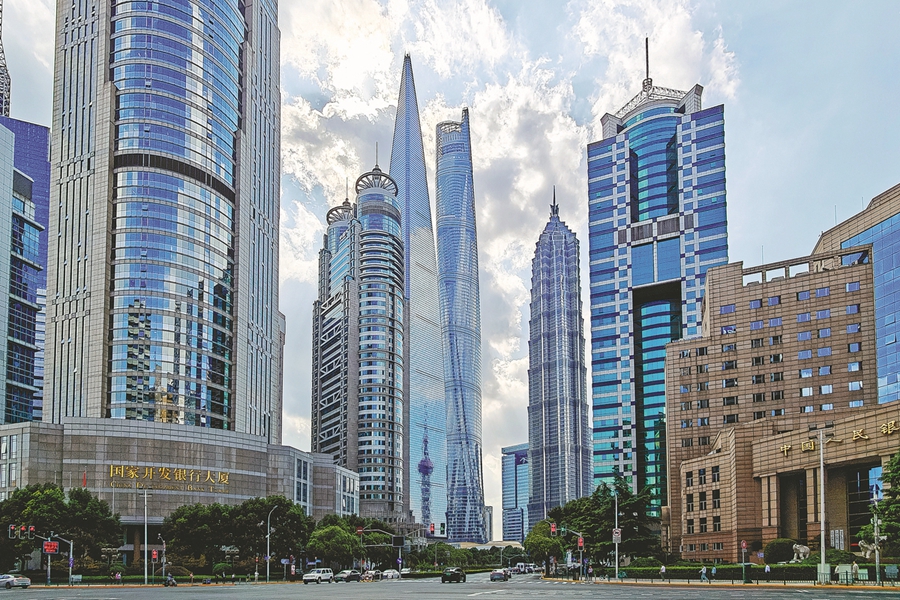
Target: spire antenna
{"points": [[554, 208], [376, 154], [648, 83]]}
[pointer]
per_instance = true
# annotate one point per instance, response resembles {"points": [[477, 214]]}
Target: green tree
{"points": [[888, 510], [334, 544], [90, 523], [540, 545]]}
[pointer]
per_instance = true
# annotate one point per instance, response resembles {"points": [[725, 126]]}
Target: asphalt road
{"points": [[477, 586]]}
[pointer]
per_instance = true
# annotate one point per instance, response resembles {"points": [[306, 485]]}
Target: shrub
{"points": [[833, 556], [779, 550], [645, 562]]}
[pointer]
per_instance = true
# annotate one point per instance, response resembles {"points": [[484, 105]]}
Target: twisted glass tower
{"points": [[457, 252], [163, 276], [559, 448], [426, 428]]}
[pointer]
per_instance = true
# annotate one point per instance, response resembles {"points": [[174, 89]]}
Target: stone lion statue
{"points": [[801, 553], [866, 548]]}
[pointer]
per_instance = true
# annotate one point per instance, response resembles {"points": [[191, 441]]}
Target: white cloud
{"points": [[301, 238]]}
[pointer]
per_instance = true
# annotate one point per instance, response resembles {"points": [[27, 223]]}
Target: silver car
{"points": [[11, 581]]}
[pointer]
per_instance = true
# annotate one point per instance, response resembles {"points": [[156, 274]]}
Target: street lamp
{"points": [[160, 538], [616, 530], [824, 569], [268, 540]]}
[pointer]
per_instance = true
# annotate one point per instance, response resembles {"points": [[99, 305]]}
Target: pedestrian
{"points": [[118, 577], [591, 573], [703, 576], [192, 578], [854, 571], [768, 571], [714, 572], [662, 572]]}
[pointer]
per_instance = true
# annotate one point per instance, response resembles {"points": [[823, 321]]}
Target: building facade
{"points": [[559, 436], [515, 473], [360, 351], [427, 427], [457, 254], [163, 261], [656, 194], [786, 346]]}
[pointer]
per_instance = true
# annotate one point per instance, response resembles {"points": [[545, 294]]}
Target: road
{"points": [[477, 586]]}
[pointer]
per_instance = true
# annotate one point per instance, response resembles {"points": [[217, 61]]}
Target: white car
{"points": [[405, 571], [11, 581], [391, 574], [318, 576]]}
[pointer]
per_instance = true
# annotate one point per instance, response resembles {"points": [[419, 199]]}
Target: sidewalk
{"points": [[887, 586]]}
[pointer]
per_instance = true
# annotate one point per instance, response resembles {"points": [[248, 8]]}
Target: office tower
{"points": [[359, 399], [32, 159], [5, 81], [879, 225], [457, 252], [559, 438], [426, 429], [656, 194], [514, 472]]}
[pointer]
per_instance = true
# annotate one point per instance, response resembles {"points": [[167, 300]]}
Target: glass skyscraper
{"points": [[514, 466], [559, 437], [427, 425], [656, 194], [457, 254], [359, 400], [163, 260]]}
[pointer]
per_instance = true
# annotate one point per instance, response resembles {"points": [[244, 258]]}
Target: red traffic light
{"points": [[581, 542], [12, 531], [553, 528], [432, 529], [31, 532], [155, 555], [23, 532]]}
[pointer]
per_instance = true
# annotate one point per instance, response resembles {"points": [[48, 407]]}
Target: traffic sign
{"points": [[359, 531], [617, 536], [51, 547], [743, 544], [285, 561], [399, 561], [71, 562]]}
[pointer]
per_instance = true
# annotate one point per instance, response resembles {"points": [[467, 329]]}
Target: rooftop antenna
{"points": [[376, 154], [347, 189], [648, 83], [554, 208]]}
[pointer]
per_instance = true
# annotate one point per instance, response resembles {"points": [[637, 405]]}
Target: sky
{"points": [[811, 128]]}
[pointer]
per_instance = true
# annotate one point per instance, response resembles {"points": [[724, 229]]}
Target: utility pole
{"points": [[268, 540], [146, 541], [876, 521], [160, 537], [616, 530], [71, 555]]}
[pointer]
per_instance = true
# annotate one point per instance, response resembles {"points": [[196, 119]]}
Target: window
{"points": [[726, 309], [807, 391], [702, 368], [852, 309], [729, 364], [774, 300], [729, 347], [856, 403], [825, 332], [701, 476], [702, 500], [854, 347], [852, 286], [854, 366], [804, 336], [777, 412], [729, 383], [717, 526], [760, 414], [692, 547], [759, 397], [688, 479], [758, 379], [802, 295], [807, 409], [826, 389], [804, 373], [701, 351], [778, 395], [728, 419], [685, 354], [703, 441], [685, 389], [756, 343], [853, 328], [716, 499], [703, 526], [823, 314], [776, 322], [803, 317], [702, 421], [826, 370], [685, 423], [717, 545], [804, 354], [729, 400], [755, 303], [754, 325], [687, 442], [776, 358], [727, 329], [855, 386], [689, 529], [703, 403], [822, 292], [689, 503], [758, 361], [686, 406], [702, 386], [826, 351], [779, 376], [775, 340], [715, 478], [827, 407], [685, 371]]}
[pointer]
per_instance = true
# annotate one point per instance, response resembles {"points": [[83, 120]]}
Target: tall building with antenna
{"points": [[426, 429], [457, 252], [559, 449], [5, 80], [657, 222]]}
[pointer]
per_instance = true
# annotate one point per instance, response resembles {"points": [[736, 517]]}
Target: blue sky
{"points": [[810, 92]]}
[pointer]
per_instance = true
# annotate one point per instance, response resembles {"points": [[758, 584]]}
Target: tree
{"points": [[540, 545], [90, 523], [333, 544], [888, 510]]}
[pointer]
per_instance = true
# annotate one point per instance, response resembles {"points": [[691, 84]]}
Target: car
{"points": [[348, 575], [452, 574], [405, 571], [498, 575], [391, 574], [10, 581], [508, 573], [318, 576], [372, 575]]}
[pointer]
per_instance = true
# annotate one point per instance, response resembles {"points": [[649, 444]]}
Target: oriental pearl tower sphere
{"points": [[425, 469]]}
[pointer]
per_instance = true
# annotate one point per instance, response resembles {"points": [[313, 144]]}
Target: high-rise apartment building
{"points": [[163, 260], [427, 425], [559, 437], [514, 472], [360, 322], [457, 254], [656, 193]]}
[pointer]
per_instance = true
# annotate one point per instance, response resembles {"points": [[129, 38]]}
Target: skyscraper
{"points": [[514, 473], [559, 438], [5, 81], [163, 259], [426, 429], [457, 252], [656, 194], [359, 399]]}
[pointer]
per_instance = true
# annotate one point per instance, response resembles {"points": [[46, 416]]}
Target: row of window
{"points": [[704, 421], [852, 367], [779, 412], [821, 292], [704, 525], [705, 547], [689, 501], [804, 317], [701, 476]]}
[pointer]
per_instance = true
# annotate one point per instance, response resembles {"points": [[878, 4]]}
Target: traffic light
{"points": [[442, 529], [432, 529], [31, 532], [552, 528], [23, 533], [12, 531]]}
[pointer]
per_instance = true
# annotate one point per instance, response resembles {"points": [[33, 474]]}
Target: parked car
{"points": [[372, 575], [451, 574], [498, 575], [348, 575], [391, 574], [318, 576], [11, 581], [405, 571]]}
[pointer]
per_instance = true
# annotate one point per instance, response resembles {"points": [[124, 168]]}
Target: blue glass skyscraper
{"points": [[457, 253], [656, 194], [426, 428], [558, 427], [514, 472]]}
